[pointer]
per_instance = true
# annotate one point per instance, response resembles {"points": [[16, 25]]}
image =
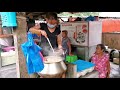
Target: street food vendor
{"points": [[101, 61], [50, 30]]}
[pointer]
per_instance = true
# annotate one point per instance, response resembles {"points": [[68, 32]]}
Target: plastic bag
{"points": [[90, 18], [31, 51]]}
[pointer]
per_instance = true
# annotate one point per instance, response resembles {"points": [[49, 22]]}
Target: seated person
{"points": [[101, 61]]}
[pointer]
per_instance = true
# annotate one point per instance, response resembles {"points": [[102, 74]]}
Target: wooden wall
{"points": [[112, 40]]}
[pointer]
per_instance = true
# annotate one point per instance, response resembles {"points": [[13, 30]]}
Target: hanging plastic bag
{"points": [[31, 51]]}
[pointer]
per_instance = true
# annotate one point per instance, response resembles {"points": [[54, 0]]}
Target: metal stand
{"points": [[118, 76]]}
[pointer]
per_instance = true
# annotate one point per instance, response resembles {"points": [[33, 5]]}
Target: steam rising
{"points": [[55, 56], [47, 51]]}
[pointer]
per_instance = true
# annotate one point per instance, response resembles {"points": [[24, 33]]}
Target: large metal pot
{"points": [[54, 69]]}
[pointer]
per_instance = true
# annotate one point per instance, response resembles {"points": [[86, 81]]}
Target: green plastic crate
{"points": [[71, 58]]}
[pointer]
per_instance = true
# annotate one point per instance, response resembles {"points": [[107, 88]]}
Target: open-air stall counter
{"points": [[84, 37]]}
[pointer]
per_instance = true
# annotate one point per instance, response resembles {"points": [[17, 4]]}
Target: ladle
{"points": [[50, 44]]}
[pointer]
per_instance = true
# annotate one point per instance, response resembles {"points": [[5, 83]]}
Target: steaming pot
{"points": [[54, 69]]}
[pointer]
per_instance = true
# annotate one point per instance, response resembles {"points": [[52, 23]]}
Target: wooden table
{"points": [[72, 72]]}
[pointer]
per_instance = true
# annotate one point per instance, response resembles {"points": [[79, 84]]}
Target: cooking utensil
{"points": [[58, 52], [50, 44], [53, 69]]}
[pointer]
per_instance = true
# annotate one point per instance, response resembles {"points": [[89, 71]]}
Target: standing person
{"points": [[31, 23], [101, 61], [50, 30], [66, 42], [6, 38], [36, 37]]}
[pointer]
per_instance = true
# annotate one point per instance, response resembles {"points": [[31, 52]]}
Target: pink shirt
{"points": [[101, 64]]}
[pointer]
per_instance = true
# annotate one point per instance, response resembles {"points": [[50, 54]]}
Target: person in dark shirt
{"points": [[50, 30]]}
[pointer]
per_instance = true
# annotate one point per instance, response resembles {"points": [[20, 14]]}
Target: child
{"points": [[66, 42], [36, 37]]}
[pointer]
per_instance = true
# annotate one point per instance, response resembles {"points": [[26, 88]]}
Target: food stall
{"points": [[84, 36], [85, 42]]}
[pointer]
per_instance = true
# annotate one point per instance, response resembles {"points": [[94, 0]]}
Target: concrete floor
{"points": [[10, 71], [114, 70]]}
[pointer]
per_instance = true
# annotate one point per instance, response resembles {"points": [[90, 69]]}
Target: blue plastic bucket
{"points": [[8, 19]]}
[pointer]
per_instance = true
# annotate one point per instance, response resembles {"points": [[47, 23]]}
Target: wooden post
{"points": [[19, 38], [71, 70]]}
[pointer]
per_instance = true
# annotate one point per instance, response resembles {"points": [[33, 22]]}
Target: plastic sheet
{"points": [[82, 65], [31, 51]]}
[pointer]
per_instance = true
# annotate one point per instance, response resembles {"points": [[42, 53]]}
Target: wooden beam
{"points": [[20, 36]]}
